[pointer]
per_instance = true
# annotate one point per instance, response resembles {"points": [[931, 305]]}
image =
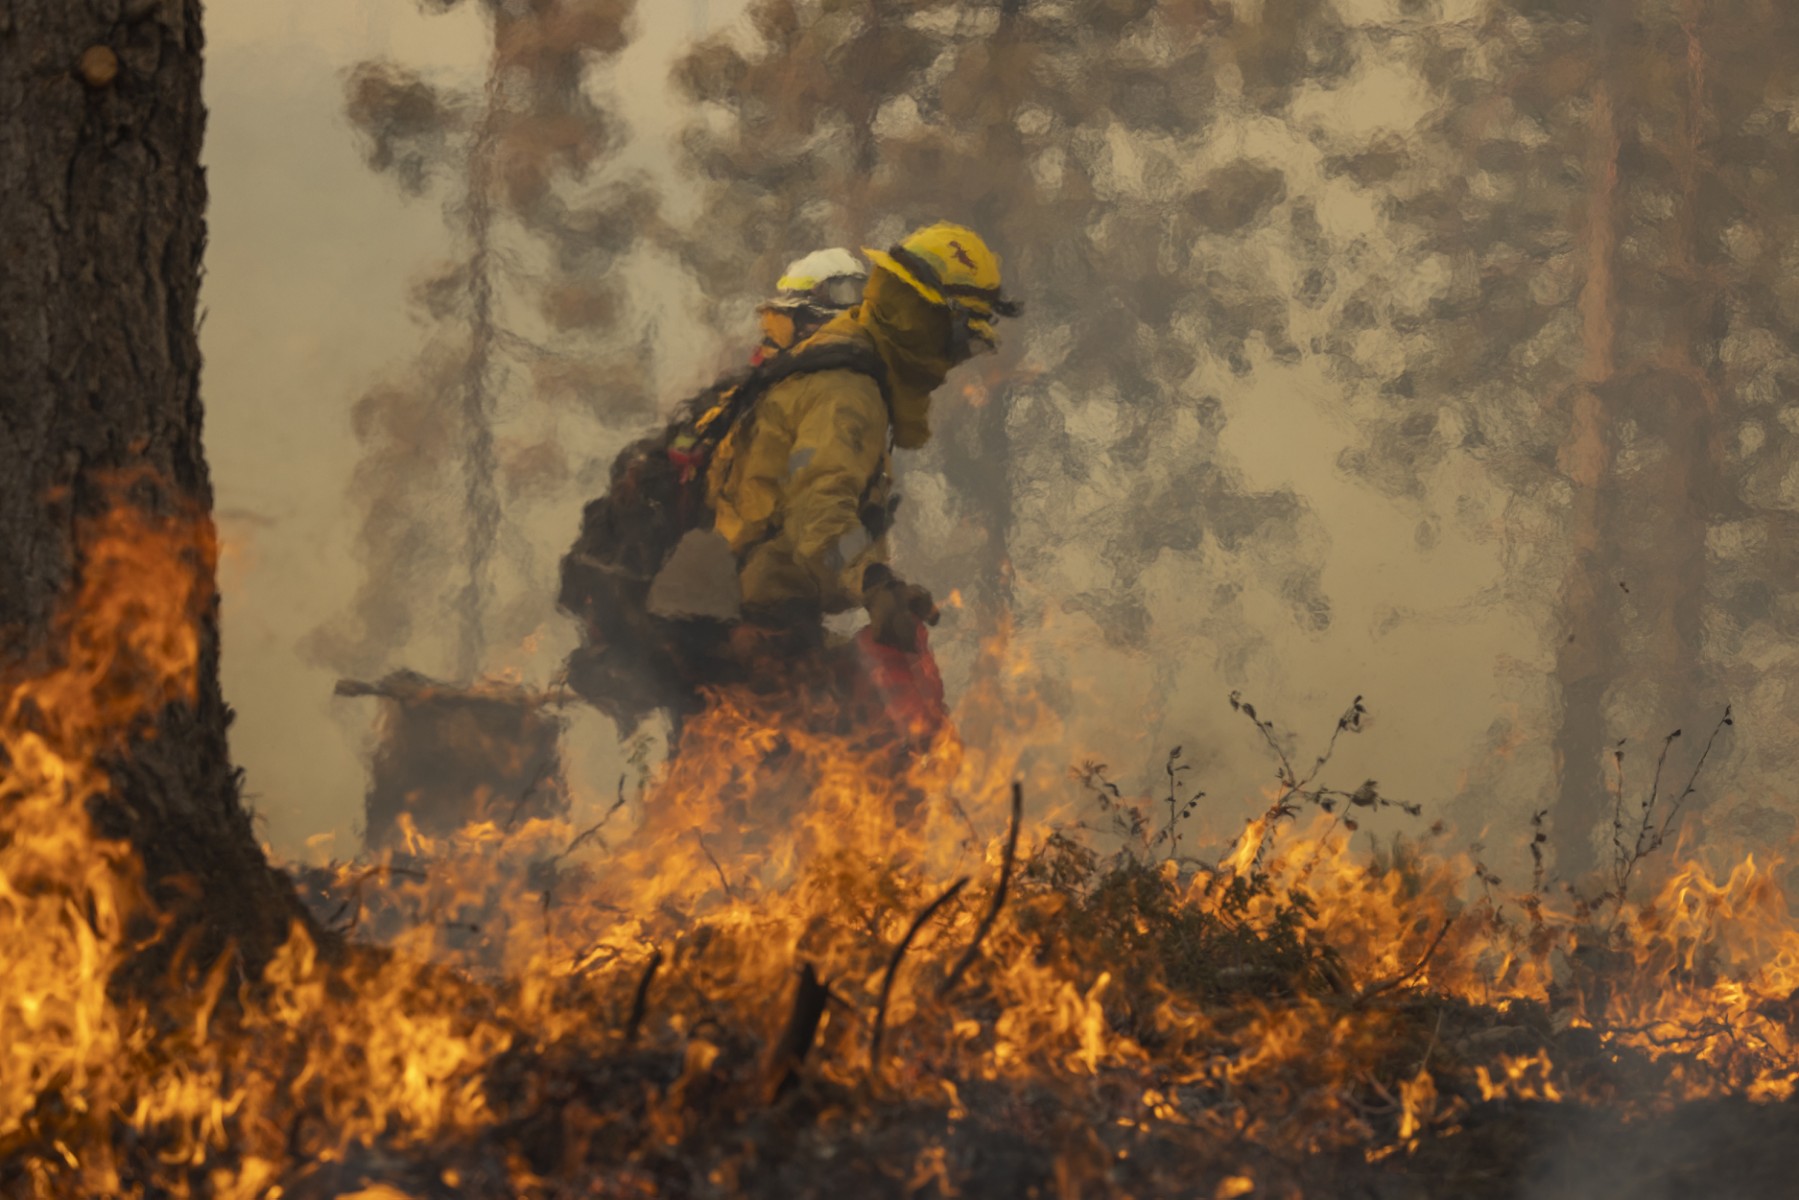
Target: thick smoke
{"points": [[1527, 253]]}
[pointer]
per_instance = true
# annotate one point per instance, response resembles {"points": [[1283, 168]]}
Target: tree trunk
{"points": [[1588, 648], [1664, 515], [102, 225], [482, 496]]}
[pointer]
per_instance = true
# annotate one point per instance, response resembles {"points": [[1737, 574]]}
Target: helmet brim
{"points": [[893, 266]]}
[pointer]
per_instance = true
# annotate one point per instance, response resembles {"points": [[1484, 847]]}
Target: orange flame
{"points": [[675, 923]]}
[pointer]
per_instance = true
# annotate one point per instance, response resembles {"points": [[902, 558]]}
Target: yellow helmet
{"points": [[951, 265]]}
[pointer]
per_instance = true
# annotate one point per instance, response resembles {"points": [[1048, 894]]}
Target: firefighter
{"points": [[634, 659], [763, 507], [800, 489], [810, 292]]}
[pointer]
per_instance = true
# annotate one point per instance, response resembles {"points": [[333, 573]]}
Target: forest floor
{"points": [[1221, 1035]]}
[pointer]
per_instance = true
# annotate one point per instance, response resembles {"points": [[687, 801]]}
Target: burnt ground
{"points": [[1726, 1148], [599, 1117], [578, 1123]]}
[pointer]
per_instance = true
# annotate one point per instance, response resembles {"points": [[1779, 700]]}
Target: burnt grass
{"points": [[616, 1115]]}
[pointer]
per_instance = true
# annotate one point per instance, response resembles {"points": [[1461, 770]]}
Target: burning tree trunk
{"points": [[101, 229]]}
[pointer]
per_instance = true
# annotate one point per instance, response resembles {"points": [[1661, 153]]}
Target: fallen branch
{"points": [[796, 1037], [999, 897], [640, 1000], [899, 952]]}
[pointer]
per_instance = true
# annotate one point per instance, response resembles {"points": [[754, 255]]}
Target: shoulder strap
{"points": [[853, 356], [831, 356]]}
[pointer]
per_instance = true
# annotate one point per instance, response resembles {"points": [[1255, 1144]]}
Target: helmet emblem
{"points": [[962, 255]]}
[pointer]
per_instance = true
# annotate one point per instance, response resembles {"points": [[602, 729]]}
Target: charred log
{"points": [[795, 1042], [451, 755]]}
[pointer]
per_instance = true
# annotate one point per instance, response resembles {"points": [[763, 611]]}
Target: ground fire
{"points": [[758, 980]]}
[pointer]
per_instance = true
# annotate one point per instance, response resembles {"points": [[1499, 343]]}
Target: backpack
{"points": [[630, 661]]}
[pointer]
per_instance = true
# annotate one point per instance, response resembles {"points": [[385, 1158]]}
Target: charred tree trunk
{"points": [[102, 224], [1588, 646]]}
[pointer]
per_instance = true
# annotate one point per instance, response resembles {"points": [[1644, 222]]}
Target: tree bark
{"points": [[102, 225]]}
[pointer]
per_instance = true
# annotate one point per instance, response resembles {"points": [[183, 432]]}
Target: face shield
{"points": [[794, 315]]}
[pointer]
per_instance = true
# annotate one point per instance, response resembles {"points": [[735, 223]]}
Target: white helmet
{"points": [[827, 280]]}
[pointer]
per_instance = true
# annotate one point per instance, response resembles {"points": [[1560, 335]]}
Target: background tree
{"points": [[1733, 298], [102, 204], [531, 330], [1511, 199], [1573, 198]]}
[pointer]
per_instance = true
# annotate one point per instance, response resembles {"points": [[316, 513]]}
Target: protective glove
{"points": [[895, 608]]}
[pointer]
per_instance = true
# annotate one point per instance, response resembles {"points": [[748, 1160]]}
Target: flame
{"points": [[625, 971], [69, 898], [1234, 1186]]}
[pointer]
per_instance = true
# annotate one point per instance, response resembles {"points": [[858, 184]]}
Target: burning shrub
{"points": [[798, 966]]}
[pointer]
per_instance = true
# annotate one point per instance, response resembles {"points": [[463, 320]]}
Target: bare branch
{"points": [[723, 882], [641, 998], [899, 952], [999, 897], [1400, 980], [1693, 779]]}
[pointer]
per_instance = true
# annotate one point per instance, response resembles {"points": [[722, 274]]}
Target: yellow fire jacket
{"points": [[790, 486]]}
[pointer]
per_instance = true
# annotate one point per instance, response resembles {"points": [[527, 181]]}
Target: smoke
{"points": [[409, 457], [531, 329], [1291, 406], [1060, 138]]}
